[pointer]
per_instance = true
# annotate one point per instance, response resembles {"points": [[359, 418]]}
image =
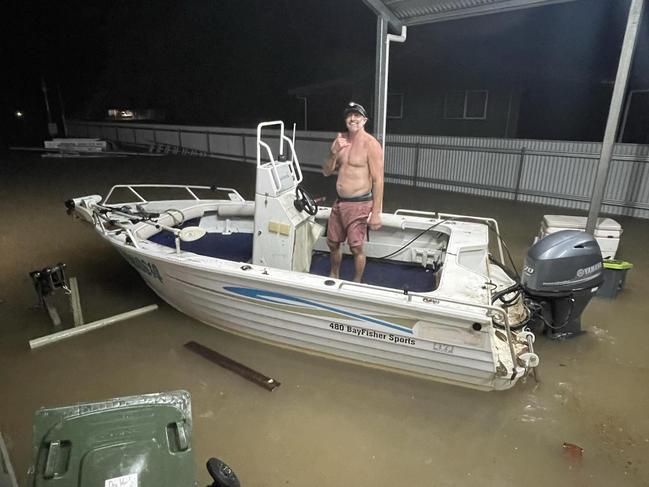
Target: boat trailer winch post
{"points": [[46, 281]]}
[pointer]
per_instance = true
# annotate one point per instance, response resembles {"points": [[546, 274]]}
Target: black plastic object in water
{"points": [[222, 474]]}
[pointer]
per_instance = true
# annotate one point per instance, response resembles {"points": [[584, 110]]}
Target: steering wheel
{"points": [[304, 201]]}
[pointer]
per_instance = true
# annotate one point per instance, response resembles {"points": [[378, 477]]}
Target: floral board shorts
{"points": [[348, 221]]}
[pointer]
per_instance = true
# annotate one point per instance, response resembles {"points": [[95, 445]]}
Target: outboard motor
{"points": [[562, 273]]}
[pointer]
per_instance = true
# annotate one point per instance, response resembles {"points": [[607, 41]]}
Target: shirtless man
{"points": [[358, 158]]}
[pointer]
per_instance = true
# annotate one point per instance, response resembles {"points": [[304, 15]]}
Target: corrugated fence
{"points": [[560, 173]]}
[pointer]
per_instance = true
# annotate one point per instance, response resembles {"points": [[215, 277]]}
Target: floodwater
{"points": [[329, 423]]}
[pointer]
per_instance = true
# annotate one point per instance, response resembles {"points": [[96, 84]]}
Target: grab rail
{"points": [[188, 188], [405, 211], [281, 141], [293, 163]]}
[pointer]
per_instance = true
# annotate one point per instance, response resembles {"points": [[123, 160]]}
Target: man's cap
{"points": [[354, 107]]}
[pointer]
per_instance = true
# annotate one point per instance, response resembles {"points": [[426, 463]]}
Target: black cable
{"points": [[495, 286], [508, 303], [507, 290], [509, 255], [399, 250], [539, 311]]}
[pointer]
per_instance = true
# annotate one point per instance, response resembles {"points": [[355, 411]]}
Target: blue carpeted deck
{"points": [[237, 247], [394, 275]]}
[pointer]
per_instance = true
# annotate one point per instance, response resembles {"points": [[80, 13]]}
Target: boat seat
{"points": [[235, 210]]}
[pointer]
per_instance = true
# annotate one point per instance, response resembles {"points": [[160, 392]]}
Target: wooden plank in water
{"points": [[236, 367]]}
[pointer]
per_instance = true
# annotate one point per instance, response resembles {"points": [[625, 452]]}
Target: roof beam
{"points": [[447, 11], [381, 10]]}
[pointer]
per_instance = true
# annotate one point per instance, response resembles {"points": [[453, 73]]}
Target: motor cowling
{"points": [[561, 274]]}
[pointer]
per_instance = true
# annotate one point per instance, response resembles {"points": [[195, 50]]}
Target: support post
{"points": [[381, 78], [519, 174], [51, 126], [7, 474], [62, 105], [243, 147], [306, 113], [383, 39], [52, 312], [416, 171], [75, 302], [624, 66]]}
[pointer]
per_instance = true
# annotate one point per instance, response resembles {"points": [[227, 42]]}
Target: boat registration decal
{"points": [[365, 332], [144, 266], [273, 297]]}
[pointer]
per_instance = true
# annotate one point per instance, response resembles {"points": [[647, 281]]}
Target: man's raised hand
{"points": [[339, 143]]}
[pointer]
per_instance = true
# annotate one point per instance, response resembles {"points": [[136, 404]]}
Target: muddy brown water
{"points": [[330, 423]]}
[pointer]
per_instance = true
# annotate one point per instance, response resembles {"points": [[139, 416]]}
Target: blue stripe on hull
{"points": [[273, 297]]}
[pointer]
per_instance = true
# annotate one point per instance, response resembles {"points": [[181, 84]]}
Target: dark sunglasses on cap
{"points": [[354, 107]]}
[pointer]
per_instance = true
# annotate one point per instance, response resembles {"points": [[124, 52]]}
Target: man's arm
{"points": [[331, 162], [329, 165], [375, 161]]}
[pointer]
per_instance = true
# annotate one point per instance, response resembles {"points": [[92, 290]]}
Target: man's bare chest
{"points": [[352, 156]]}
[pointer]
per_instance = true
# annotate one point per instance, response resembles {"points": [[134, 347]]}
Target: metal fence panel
{"points": [[548, 172]]}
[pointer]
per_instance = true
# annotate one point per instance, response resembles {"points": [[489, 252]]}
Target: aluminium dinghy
{"points": [[433, 302]]}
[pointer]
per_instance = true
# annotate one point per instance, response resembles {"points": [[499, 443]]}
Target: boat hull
{"points": [[359, 327]]}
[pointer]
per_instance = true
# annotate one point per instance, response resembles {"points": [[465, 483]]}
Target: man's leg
{"points": [[359, 262], [336, 256]]}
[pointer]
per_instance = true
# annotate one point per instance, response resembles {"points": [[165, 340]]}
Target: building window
{"points": [[395, 105], [466, 105]]}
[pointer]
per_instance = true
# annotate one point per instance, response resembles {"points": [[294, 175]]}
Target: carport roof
{"points": [[400, 13]]}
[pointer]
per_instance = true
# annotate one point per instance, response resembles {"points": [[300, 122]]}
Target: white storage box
{"points": [[607, 231]]}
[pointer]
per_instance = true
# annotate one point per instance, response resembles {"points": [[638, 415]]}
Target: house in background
{"points": [[543, 73], [422, 105]]}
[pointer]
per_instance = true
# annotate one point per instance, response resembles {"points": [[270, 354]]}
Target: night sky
{"points": [[204, 61], [232, 62]]}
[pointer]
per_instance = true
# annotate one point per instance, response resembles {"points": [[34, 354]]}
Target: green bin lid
{"points": [[136, 441], [619, 265]]}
